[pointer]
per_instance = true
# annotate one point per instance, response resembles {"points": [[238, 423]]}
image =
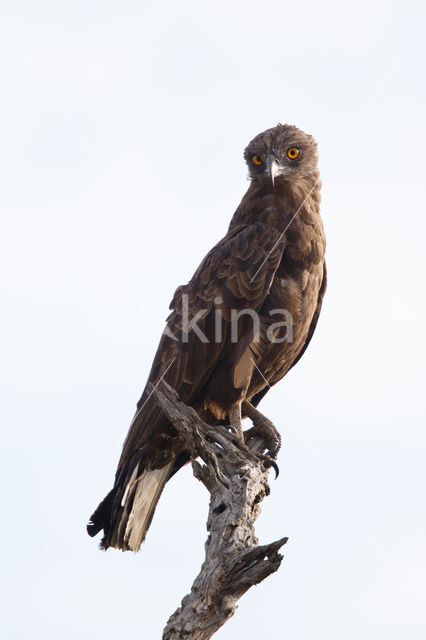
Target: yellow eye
{"points": [[256, 160], [293, 153]]}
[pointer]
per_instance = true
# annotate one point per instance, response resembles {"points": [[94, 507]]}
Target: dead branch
{"points": [[237, 481]]}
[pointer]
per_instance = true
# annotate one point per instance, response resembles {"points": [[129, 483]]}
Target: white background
{"points": [[122, 127]]}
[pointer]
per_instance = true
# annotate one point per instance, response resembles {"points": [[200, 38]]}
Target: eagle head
{"points": [[281, 153]]}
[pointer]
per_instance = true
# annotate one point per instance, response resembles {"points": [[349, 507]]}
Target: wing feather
{"points": [[239, 271]]}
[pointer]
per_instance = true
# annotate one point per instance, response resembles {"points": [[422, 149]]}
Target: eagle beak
{"points": [[273, 168]]}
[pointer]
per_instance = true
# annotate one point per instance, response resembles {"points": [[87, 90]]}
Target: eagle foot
{"points": [[270, 437], [263, 430], [267, 460]]}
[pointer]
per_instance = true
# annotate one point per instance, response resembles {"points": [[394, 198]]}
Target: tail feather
{"points": [[101, 515], [127, 511], [147, 494]]}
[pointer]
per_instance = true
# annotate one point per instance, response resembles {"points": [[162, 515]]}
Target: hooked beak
{"points": [[273, 168]]}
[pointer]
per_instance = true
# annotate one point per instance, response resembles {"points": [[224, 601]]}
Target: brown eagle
{"points": [[243, 320]]}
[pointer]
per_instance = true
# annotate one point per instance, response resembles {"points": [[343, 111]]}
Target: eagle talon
{"points": [[270, 462], [267, 461], [232, 429]]}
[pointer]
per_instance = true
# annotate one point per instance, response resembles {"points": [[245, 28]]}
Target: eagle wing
{"points": [[236, 274], [314, 320], [274, 379]]}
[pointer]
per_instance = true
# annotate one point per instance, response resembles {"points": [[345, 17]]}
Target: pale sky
{"points": [[122, 129]]}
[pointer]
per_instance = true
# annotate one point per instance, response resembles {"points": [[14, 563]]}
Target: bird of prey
{"points": [[243, 320]]}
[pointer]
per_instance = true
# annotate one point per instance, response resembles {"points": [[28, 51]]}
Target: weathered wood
{"points": [[237, 481]]}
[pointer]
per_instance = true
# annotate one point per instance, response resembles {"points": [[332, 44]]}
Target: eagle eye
{"points": [[293, 153], [256, 160]]}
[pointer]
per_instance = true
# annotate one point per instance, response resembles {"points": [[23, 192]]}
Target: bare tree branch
{"points": [[237, 481]]}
